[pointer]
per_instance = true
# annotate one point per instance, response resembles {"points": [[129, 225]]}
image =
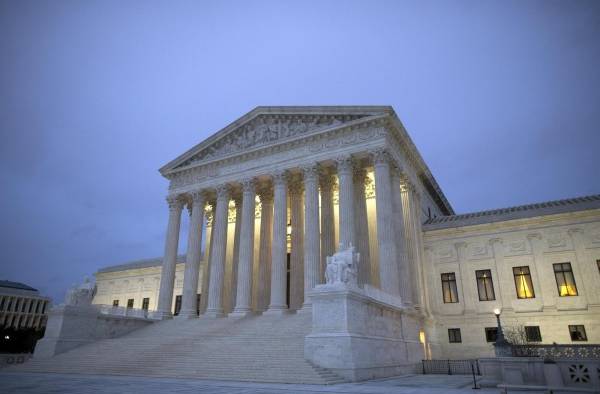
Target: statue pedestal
{"points": [[362, 333]]}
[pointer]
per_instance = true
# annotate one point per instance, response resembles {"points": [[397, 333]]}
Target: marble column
{"points": [[279, 245], [346, 197], [210, 215], [403, 269], [233, 277], [217, 264], [264, 252], [327, 220], [362, 226], [297, 243], [243, 304], [189, 297], [167, 278], [407, 199], [388, 266], [312, 241]]}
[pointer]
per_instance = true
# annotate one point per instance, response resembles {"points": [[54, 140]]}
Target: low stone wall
{"points": [[72, 326], [362, 334], [574, 372], [10, 359]]}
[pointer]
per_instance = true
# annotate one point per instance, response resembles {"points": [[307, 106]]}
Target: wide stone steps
{"points": [[257, 348]]}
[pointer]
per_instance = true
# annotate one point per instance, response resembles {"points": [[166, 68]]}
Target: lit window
{"points": [[454, 335], [565, 280], [130, 303], [523, 282], [532, 333], [145, 303], [449, 288], [491, 333], [485, 286], [577, 333], [115, 302]]}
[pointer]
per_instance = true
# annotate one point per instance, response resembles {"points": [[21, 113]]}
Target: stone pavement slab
{"points": [[47, 383]]}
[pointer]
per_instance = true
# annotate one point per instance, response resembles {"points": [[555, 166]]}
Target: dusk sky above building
{"points": [[502, 99]]}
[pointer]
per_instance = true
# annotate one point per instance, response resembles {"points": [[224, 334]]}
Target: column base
{"points": [[161, 315], [184, 315], [306, 308], [277, 311], [213, 314], [241, 313]]}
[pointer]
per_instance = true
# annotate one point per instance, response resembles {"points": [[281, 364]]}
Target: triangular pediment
{"points": [[267, 126]]}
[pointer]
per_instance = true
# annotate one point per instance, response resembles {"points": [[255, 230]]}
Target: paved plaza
{"points": [[38, 383]]}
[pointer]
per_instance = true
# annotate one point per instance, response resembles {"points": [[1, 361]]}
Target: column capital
{"points": [[360, 174], [198, 197], [380, 156], [397, 171], [296, 185], [344, 164], [223, 191], [265, 193], [280, 178], [326, 181], [311, 172], [175, 202], [248, 185]]}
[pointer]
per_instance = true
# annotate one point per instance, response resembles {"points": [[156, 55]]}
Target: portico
{"points": [[276, 169]]}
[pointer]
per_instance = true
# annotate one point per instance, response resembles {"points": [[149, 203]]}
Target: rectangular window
{"points": [[577, 333], [454, 335], [523, 282], [532, 333], [598, 264], [198, 299], [565, 281], [491, 333], [449, 288], [485, 286], [115, 302], [130, 303], [177, 305], [145, 303]]}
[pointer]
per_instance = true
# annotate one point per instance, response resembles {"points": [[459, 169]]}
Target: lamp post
{"points": [[501, 346]]}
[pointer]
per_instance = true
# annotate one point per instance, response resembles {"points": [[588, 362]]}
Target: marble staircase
{"points": [[254, 348]]}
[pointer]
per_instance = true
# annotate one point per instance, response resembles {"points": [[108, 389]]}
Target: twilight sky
{"points": [[502, 98]]}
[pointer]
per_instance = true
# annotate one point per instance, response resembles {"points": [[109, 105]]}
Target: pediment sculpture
{"points": [[81, 295], [342, 267]]}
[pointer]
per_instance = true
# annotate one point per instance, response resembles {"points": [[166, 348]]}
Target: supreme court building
{"points": [[276, 192]]}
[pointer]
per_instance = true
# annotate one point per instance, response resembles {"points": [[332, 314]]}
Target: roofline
{"points": [[546, 208]]}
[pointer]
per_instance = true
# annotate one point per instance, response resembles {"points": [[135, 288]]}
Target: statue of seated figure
{"points": [[81, 295], [342, 266]]}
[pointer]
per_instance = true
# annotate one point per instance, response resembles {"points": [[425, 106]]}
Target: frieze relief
{"points": [[262, 159], [266, 129], [516, 247], [446, 253], [478, 251]]}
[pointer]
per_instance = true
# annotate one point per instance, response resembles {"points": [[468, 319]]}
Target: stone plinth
{"points": [[70, 326], [361, 336]]}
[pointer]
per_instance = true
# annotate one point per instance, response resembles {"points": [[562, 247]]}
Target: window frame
{"points": [[130, 303], [145, 303], [523, 276], [450, 280], [486, 280], [563, 273], [454, 335], [115, 303], [488, 330], [533, 338], [582, 331]]}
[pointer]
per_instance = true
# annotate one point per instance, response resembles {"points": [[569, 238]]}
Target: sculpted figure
{"points": [[342, 266], [82, 294]]}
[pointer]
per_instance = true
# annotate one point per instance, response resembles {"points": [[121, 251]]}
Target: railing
{"points": [[123, 311], [557, 351], [451, 367]]}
